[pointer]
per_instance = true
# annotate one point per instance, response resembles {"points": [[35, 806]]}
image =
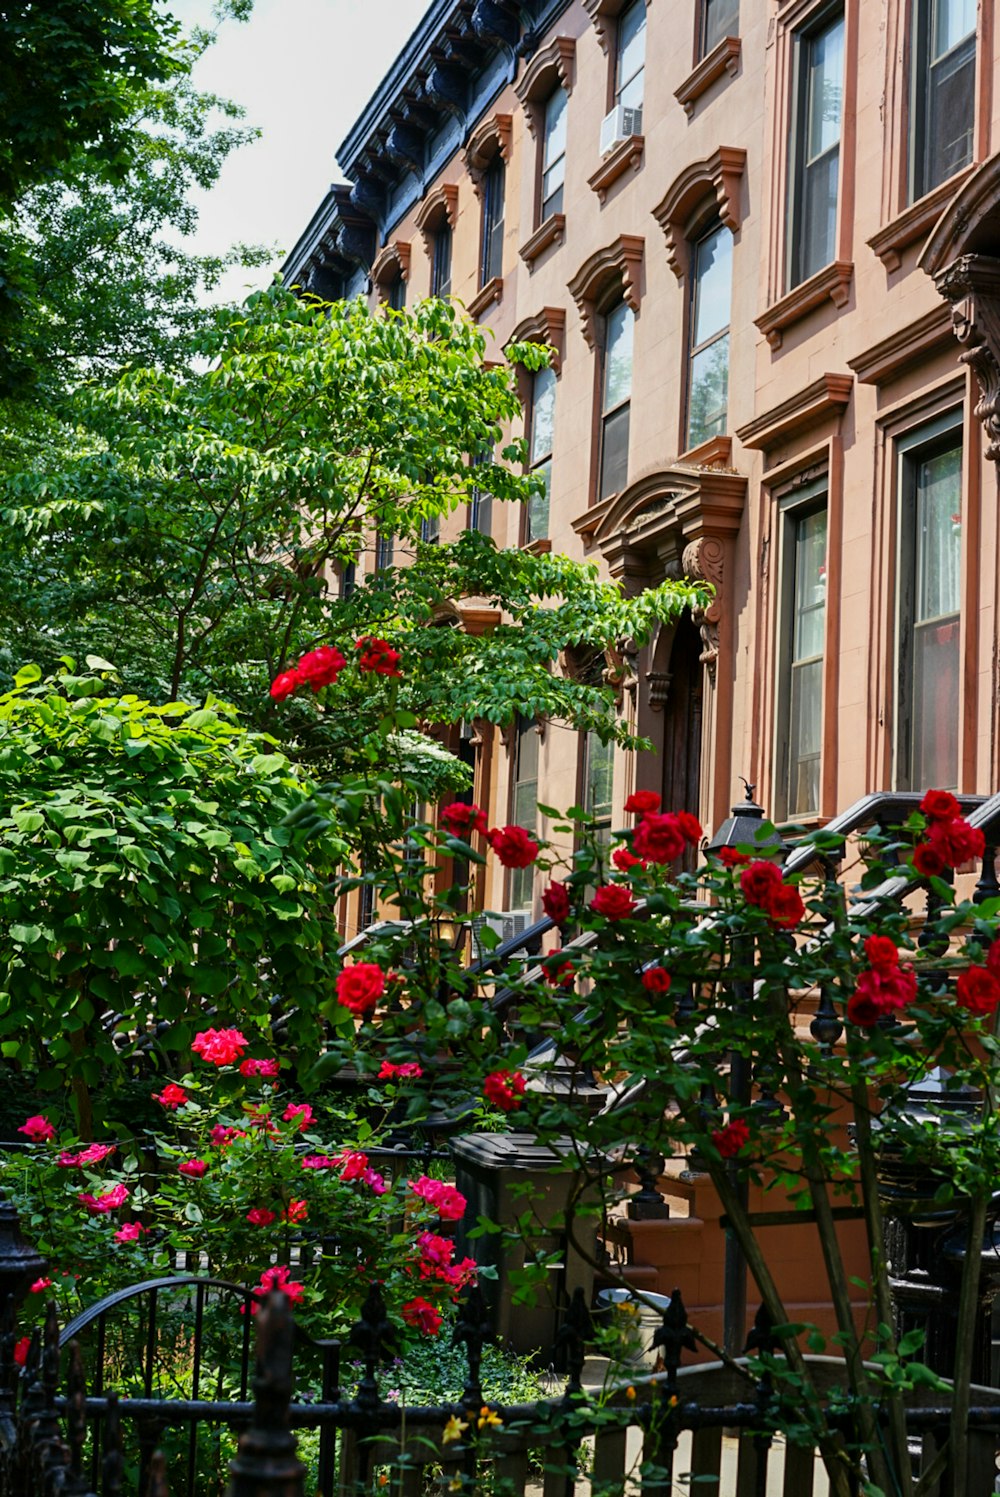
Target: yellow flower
{"points": [[489, 1418], [455, 1485], [630, 1393], [453, 1430], [383, 1480]]}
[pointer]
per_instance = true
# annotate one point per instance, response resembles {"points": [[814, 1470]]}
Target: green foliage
{"points": [[190, 535], [145, 878]]}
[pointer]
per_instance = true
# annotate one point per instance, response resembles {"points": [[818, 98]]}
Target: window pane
{"points": [[599, 763], [397, 294], [543, 407], [938, 535], [713, 279], [524, 805], [618, 355], [538, 504], [631, 54], [824, 88], [481, 512], [441, 283], [708, 391], [818, 226], [949, 119], [936, 521], [935, 704], [722, 18], [614, 452], [555, 128], [953, 21], [805, 693], [805, 739], [493, 213]]}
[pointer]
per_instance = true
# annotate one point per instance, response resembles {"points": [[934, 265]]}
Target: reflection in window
{"points": [[943, 94], [598, 781], [719, 18], [524, 804], [616, 395], [631, 56], [543, 406], [806, 633], [930, 564], [708, 370], [491, 259], [816, 125], [554, 154], [441, 262]]}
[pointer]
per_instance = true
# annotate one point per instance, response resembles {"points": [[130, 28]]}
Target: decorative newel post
{"points": [[266, 1464], [20, 1263]]}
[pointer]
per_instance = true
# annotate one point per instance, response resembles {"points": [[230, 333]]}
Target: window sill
{"points": [[492, 292], [628, 153], [915, 221], [550, 232], [540, 547], [833, 281], [725, 58]]}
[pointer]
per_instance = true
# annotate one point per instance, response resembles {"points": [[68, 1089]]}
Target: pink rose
{"points": [[300, 1111], [268, 1069], [38, 1129], [193, 1168], [220, 1047], [130, 1232], [259, 1216]]}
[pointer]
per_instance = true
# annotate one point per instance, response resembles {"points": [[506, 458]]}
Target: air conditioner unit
{"points": [[618, 126], [507, 925]]}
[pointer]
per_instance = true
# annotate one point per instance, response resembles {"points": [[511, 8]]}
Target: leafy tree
{"points": [[146, 880], [194, 535]]}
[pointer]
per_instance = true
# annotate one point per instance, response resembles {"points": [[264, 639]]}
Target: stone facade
{"points": [[842, 501]]}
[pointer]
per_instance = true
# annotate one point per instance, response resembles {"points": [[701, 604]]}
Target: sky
{"points": [[303, 71]]}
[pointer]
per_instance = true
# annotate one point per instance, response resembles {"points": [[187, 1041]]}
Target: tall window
{"points": [[383, 551], [719, 18], [554, 154], [480, 516], [491, 259], [803, 631], [708, 368], [943, 92], [543, 406], [441, 262], [929, 574], [815, 149], [430, 529], [348, 579], [397, 294], [616, 394], [630, 57], [598, 779], [524, 804]]}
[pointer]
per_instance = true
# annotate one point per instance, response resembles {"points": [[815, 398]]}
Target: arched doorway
{"points": [[682, 712]]}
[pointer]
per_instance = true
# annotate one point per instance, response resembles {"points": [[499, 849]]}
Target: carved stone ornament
{"points": [[621, 262], [659, 689], [704, 560], [971, 284], [492, 137]]}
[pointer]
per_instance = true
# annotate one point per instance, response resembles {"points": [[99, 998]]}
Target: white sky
{"points": [[303, 71]]}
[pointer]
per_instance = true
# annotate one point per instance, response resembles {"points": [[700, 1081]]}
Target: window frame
{"points": [[910, 448], [810, 499], [518, 878], [802, 37], [443, 234], [617, 85], [537, 461], [921, 19], [707, 228], [705, 47], [492, 226], [606, 414], [385, 546]]}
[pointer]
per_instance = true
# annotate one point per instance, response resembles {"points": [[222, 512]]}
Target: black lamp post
{"points": [[742, 828]]}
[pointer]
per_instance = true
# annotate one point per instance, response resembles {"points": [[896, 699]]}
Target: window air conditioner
{"points": [[618, 126], [506, 924]]}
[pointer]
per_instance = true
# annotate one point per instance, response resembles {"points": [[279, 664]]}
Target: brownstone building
{"points": [[745, 226]]}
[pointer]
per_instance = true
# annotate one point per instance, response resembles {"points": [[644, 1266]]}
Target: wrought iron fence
{"points": [[712, 1428]]}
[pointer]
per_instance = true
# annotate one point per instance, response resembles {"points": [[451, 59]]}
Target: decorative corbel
{"points": [[704, 560], [971, 284]]}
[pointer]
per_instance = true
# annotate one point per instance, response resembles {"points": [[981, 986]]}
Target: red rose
{"points": [[40, 1286], [956, 841], [360, 987], [558, 972], [731, 1139], [461, 821], [785, 908], [171, 1097], [261, 1217], [691, 828], [266, 1068], [422, 1316], [731, 857], [613, 901], [408, 1071], [296, 1211], [641, 802], [658, 838], [624, 860], [38, 1129], [759, 881], [993, 959], [656, 980], [555, 903], [504, 1089], [282, 686], [448, 1202], [300, 1111], [928, 860], [880, 993], [321, 667], [220, 1047], [280, 1277], [193, 1168], [21, 1350], [881, 953], [978, 991], [376, 656], [940, 805], [513, 846], [863, 1010]]}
